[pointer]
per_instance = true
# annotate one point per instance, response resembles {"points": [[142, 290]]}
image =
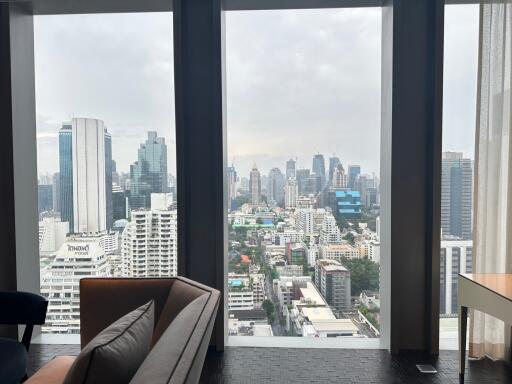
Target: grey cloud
{"points": [[298, 83]]}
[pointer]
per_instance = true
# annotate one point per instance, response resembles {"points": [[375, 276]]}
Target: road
{"points": [[277, 328]]}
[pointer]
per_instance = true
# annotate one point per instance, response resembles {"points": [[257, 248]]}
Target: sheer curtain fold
{"points": [[492, 231]]}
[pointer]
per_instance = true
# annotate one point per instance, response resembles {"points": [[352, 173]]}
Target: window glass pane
{"points": [[106, 153], [459, 119], [303, 113]]}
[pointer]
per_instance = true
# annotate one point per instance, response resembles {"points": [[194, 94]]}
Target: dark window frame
{"points": [[411, 115]]}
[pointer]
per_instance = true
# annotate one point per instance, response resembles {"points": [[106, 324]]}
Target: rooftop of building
{"points": [[325, 262], [249, 314], [331, 325], [310, 294], [338, 247], [318, 313], [348, 193], [334, 268], [262, 330]]}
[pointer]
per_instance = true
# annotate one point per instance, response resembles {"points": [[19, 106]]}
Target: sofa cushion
{"points": [[13, 361], [167, 354], [52, 372], [180, 295], [116, 353], [115, 297]]}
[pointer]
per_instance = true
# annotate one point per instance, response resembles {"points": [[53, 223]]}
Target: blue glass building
{"points": [[149, 173], [66, 174], [353, 172], [45, 198], [319, 168], [346, 204]]}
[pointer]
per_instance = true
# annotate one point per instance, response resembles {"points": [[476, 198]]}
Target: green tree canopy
{"points": [[364, 275]]}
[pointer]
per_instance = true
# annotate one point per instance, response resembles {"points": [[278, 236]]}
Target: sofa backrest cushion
{"points": [[180, 295], [169, 352], [116, 353], [104, 300]]}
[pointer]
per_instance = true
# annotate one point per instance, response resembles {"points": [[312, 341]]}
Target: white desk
{"points": [[487, 292]]}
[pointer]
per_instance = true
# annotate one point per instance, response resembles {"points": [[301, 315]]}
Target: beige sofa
{"points": [[185, 312]]}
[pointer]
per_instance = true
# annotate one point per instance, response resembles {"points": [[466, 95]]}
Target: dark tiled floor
{"points": [[284, 365]]}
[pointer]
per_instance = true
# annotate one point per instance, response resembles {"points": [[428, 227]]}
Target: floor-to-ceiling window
{"points": [[106, 153], [303, 131], [459, 119]]}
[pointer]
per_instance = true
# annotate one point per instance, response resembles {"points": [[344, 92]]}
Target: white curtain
{"points": [[492, 230]]}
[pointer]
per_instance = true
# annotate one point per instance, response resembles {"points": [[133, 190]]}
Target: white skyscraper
{"points": [[305, 220], [255, 185], [149, 241], [291, 192], [339, 178], [89, 194], [330, 233]]}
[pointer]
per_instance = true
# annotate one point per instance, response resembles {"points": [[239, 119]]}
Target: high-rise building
{"points": [[171, 179], [149, 173], [56, 192], [149, 240], [333, 163], [296, 254], [353, 172], [319, 168], [264, 184], [339, 177], [314, 184], [80, 256], [244, 184], [330, 233], [275, 186], [119, 203], [52, 234], [302, 180], [83, 163], [89, 180], [367, 185], [305, 220], [115, 174], [345, 204], [109, 169], [291, 193], [456, 195], [124, 181], [456, 257], [232, 183], [333, 282], [255, 185], [66, 174], [45, 198], [290, 168], [45, 179]]}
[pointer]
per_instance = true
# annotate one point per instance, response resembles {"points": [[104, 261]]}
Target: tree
{"points": [[370, 315], [364, 275], [269, 308], [349, 237], [241, 200], [259, 220], [342, 222]]}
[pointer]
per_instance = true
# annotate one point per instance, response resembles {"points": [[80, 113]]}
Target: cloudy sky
{"points": [[298, 83]]}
